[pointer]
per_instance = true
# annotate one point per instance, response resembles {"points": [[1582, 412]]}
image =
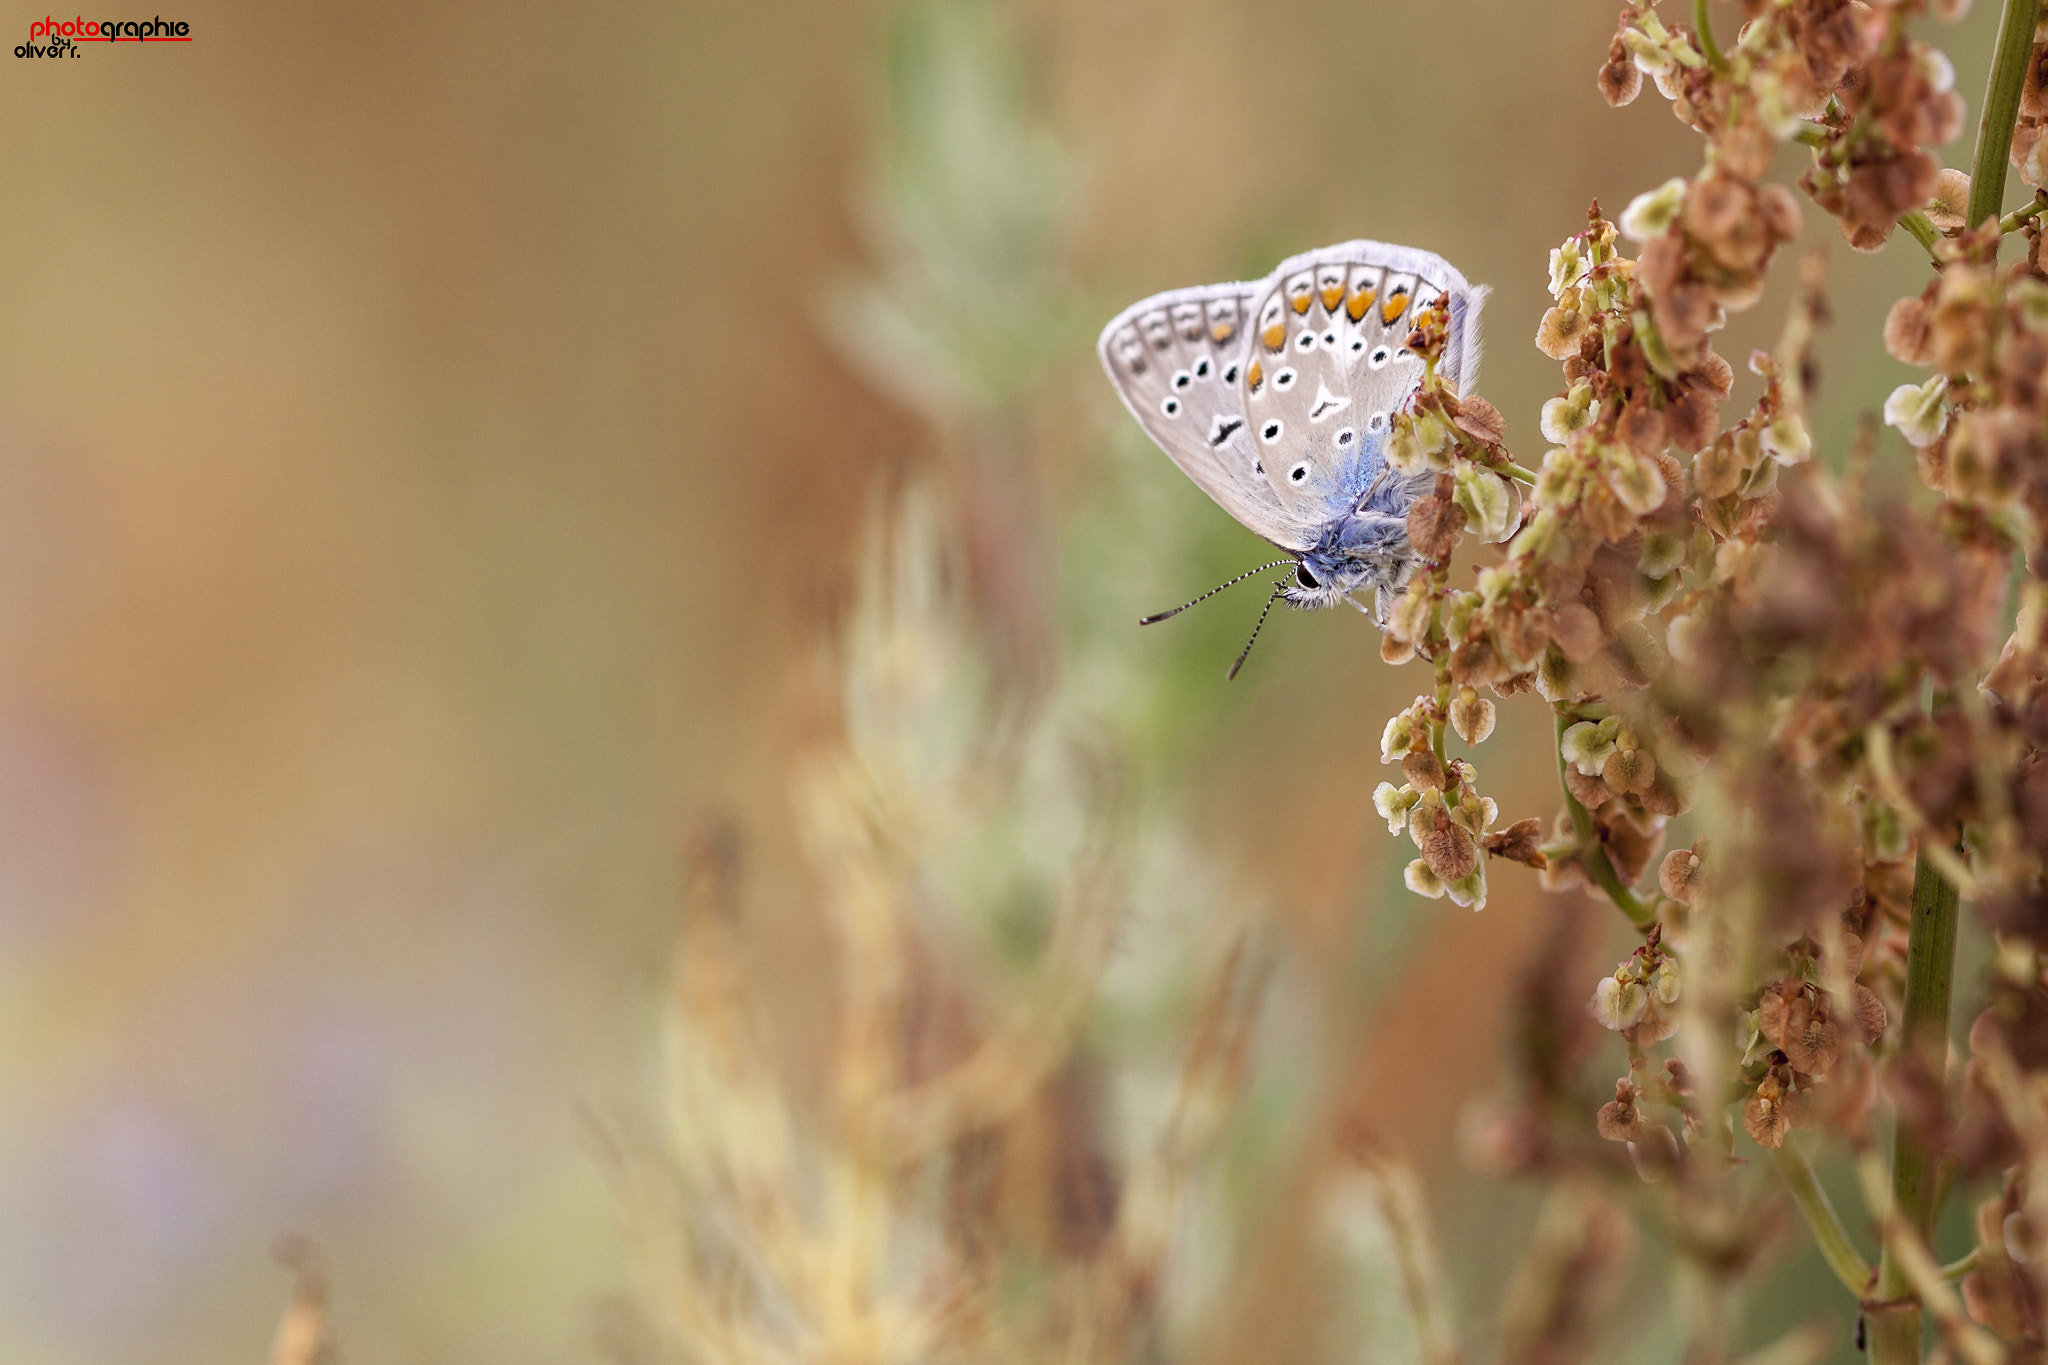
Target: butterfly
{"points": [[1276, 397]]}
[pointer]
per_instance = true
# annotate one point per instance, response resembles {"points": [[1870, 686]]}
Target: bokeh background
{"points": [[434, 447]]}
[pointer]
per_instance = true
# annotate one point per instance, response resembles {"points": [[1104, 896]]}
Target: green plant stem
{"points": [[1956, 1269], [1516, 472], [1828, 1233], [2001, 108], [1920, 230], [1592, 857], [1930, 970], [2011, 222], [1705, 26]]}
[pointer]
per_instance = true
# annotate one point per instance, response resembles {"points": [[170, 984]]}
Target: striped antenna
{"points": [[1161, 616], [1278, 588]]}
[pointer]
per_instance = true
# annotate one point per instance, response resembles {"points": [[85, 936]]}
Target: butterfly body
{"points": [[1276, 397]]}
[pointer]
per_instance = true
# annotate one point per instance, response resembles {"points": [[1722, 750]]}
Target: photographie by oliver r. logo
{"points": [[53, 37]]}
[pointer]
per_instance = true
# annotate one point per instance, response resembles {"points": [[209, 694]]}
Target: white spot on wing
{"points": [[1327, 403]]}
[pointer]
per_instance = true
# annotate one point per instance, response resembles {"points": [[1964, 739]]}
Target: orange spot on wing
{"points": [[1393, 308], [1332, 294], [1274, 337], [1362, 300], [1254, 377], [1299, 303], [1222, 331]]}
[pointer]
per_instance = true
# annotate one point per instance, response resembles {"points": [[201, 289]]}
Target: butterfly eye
{"points": [[1270, 431], [1202, 368], [1171, 407], [1298, 473], [1230, 375], [1379, 357], [1330, 339], [1376, 422], [1284, 379], [1304, 577], [1183, 379], [1305, 342], [1357, 345], [1346, 436]]}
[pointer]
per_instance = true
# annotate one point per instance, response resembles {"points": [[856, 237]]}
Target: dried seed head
{"points": [[1423, 771], [1635, 481], [1423, 881], [1399, 736], [1409, 617], [1632, 771], [1810, 1041], [1656, 1154], [1472, 716], [1620, 80], [1519, 842], [1619, 1001], [1618, 1120], [1434, 525], [1785, 440], [1717, 471], [1480, 420], [1487, 501], [1663, 551], [1906, 332], [1763, 1116], [1681, 875], [1652, 212], [1446, 845], [1690, 418], [1642, 427], [1587, 744], [1393, 803], [1561, 331], [1919, 411], [1576, 410], [1557, 678], [1577, 631], [1950, 201], [1870, 1013]]}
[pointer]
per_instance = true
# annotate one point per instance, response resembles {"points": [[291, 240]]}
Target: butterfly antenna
{"points": [[1161, 616], [1278, 588]]}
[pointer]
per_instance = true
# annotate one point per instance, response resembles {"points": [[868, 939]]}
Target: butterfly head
{"points": [[1323, 580], [1366, 550]]}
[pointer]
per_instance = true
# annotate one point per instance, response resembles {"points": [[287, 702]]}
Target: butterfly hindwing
{"points": [[1328, 366], [1178, 360]]}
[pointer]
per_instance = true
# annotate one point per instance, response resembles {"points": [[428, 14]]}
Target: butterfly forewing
{"points": [[1178, 359]]}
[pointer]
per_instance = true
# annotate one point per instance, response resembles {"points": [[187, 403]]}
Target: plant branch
{"points": [[1920, 230], [1828, 1233], [2011, 222], [2001, 108], [1705, 26], [1930, 970], [1591, 856]]}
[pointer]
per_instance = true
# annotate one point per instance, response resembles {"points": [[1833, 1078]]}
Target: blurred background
{"points": [[436, 445]]}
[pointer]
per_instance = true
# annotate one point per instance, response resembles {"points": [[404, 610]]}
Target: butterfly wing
{"points": [[1177, 360], [1328, 367]]}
